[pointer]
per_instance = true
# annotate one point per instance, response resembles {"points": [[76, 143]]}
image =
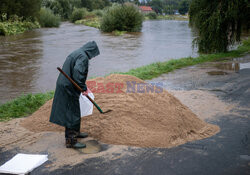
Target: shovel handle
{"points": [[79, 88]]}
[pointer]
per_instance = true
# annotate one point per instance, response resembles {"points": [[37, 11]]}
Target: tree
{"points": [[143, 2], [137, 2], [169, 9], [219, 23], [172, 3], [157, 6], [67, 8], [64, 8], [22, 8], [183, 7], [120, 1], [95, 4]]}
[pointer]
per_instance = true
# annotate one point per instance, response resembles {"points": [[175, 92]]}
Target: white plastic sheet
{"points": [[86, 105], [23, 163]]}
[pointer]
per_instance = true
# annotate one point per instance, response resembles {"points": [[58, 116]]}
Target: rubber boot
{"points": [[79, 145], [72, 143], [82, 135]]}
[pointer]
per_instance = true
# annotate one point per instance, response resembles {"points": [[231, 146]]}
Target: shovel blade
{"points": [[106, 111]]}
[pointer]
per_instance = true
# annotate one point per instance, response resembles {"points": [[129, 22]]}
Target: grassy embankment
{"points": [[16, 27], [168, 17], [27, 104], [91, 22], [96, 23], [23, 105]]}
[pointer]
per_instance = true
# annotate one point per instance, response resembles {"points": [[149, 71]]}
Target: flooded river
{"points": [[28, 61]]}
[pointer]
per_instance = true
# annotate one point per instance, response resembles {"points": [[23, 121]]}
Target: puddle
{"points": [[235, 65], [217, 73], [231, 66], [92, 147]]}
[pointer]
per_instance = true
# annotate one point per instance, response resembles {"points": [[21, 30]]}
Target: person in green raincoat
{"points": [[66, 108]]}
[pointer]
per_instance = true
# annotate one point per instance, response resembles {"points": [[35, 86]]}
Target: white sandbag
{"points": [[86, 106], [23, 163]]}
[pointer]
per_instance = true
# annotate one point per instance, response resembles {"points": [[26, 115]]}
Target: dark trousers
{"points": [[72, 132]]}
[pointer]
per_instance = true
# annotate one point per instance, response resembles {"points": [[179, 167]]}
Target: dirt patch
{"points": [[12, 134], [204, 104], [138, 119], [54, 144]]}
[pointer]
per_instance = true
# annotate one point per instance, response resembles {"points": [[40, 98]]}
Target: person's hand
{"points": [[86, 92]]}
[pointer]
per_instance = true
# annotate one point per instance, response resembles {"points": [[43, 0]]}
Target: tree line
{"points": [[167, 6], [21, 8], [30, 8], [219, 24], [64, 8]]}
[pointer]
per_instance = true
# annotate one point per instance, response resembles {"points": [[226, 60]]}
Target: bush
{"points": [[78, 14], [124, 17], [16, 26], [48, 19], [151, 15], [98, 13]]}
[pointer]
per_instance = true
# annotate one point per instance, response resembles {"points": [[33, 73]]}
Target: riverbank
{"points": [[91, 22], [23, 106], [96, 21], [17, 27], [168, 17]]}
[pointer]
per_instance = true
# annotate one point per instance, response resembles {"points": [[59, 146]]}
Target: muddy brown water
{"points": [[28, 61]]}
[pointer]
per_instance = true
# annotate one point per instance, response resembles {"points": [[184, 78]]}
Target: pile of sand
{"points": [[137, 119]]}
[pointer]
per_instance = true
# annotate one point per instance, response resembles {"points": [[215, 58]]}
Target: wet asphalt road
{"points": [[227, 152]]}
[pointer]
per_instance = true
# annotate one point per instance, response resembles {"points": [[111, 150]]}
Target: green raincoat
{"points": [[65, 109]]}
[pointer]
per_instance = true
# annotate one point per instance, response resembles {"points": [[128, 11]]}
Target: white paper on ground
{"points": [[86, 106], [23, 163]]}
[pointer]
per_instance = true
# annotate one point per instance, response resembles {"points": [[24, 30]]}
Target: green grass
{"points": [[169, 17], [91, 22], [27, 104], [118, 33], [23, 105]]}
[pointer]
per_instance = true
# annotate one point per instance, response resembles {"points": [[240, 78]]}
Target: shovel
{"points": [[80, 89]]}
